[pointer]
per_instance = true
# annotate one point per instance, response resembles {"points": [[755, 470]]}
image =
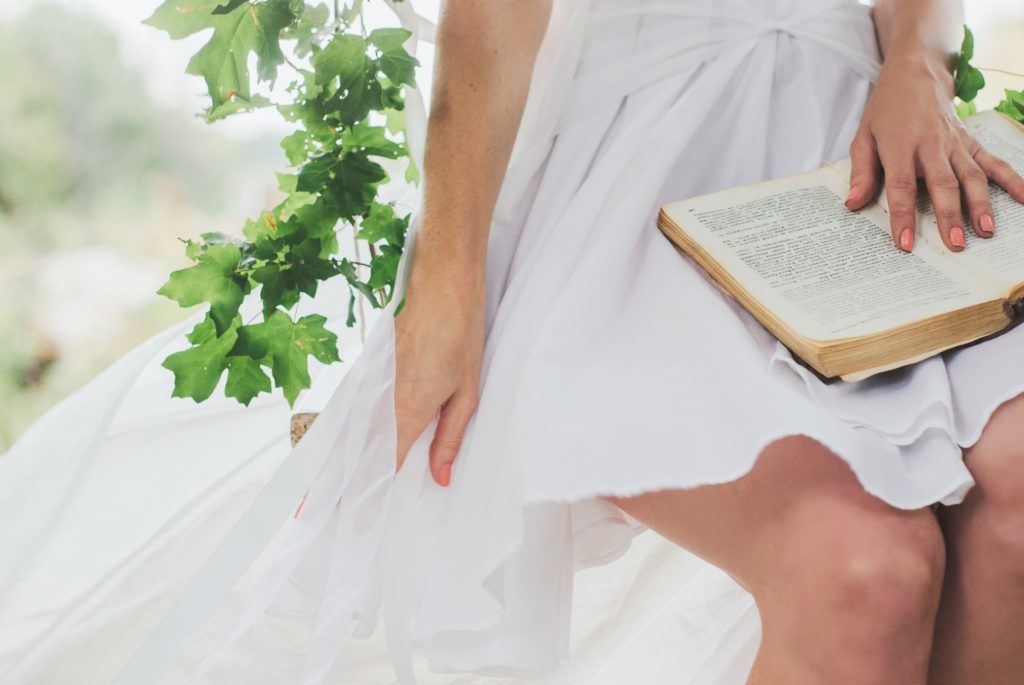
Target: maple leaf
{"points": [[289, 344]]}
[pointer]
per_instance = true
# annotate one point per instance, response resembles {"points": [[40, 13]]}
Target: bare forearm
{"points": [[920, 34], [486, 51]]}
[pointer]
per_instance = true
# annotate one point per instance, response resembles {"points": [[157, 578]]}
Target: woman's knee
{"points": [[893, 577], [997, 464], [874, 571]]}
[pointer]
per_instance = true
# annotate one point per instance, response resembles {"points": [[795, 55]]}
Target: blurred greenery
{"points": [[97, 182]]}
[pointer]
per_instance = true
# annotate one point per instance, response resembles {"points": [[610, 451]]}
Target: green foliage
{"points": [[967, 79], [965, 109], [1012, 105], [347, 104], [239, 29]]}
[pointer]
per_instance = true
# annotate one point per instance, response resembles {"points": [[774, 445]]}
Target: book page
{"points": [[999, 259], [827, 272]]}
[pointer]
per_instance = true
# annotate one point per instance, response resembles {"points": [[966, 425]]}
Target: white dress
{"points": [[146, 539]]}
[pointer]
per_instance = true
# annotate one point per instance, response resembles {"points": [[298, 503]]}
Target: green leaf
{"points": [[382, 224], [276, 291], [268, 226], [1012, 105], [198, 369], [246, 379], [412, 172], [289, 344], [227, 7], [350, 321], [296, 147], [348, 270], [239, 29], [303, 32], [371, 140], [967, 80], [965, 109], [316, 173], [397, 64], [384, 267], [343, 58], [353, 185], [236, 104], [211, 280], [351, 12], [182, 18]]}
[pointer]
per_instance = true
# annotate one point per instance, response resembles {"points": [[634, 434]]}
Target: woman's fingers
{"points": [[1000, 172], [451, 428], [901, 196], [865, 171], [944, 191], [974, 183]]}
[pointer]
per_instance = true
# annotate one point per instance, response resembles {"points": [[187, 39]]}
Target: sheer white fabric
{"points": [[147, 539]]}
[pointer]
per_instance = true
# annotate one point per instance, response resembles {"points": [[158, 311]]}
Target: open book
{"points": [[830, 283]]}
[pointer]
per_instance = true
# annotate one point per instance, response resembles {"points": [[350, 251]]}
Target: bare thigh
{"points": [[800, 508]]}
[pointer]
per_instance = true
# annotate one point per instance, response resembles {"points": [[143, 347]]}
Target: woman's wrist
{"points": [[914, 60], [452, 276]]}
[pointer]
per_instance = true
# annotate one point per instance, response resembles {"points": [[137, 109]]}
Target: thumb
{"points": [[865, 170], [451, 427]]}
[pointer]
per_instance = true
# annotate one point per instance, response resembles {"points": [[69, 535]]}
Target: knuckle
{"points": [[902, 183], [1004, 169], [949, 216], [900, 213], [972, 146], [944, 181], [449, 444], [975, 176], [861, 143]]}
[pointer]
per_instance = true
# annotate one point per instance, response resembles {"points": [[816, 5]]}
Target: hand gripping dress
{"points": [[145, 539]]}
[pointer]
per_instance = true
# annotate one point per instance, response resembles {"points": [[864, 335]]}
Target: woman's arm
{"points": [[910, 130], [485, 55]]}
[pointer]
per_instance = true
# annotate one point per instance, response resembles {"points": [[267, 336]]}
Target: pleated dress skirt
{"points": [[150, 540]]}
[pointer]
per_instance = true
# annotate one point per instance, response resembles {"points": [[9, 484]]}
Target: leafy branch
{"points": [[347, 105], [968, 81]]}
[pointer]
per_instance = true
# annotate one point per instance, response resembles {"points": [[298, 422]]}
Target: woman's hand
{"points": [[439, 342], [910, 131]]}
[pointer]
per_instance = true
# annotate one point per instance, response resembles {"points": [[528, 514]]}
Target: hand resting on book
{"points": [[909, 131]]}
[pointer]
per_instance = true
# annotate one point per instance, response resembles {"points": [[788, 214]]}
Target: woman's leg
{"points": [[846, 585], [979, 636]]}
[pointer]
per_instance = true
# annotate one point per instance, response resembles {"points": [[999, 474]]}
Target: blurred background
{"points": [[104, 165]]}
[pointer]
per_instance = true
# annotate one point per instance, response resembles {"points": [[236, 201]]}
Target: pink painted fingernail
{"points": [[956, 237], [986, 223], [907, 239], [854, 193], [444, 474]]}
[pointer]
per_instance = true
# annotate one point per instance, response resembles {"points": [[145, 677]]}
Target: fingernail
{"points": [[907, 239], [986, 223], [854, 192], [956, 237], [444, 474]]}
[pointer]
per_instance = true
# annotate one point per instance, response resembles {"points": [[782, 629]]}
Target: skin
{"points": [[850, 590], [909, 130]]}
